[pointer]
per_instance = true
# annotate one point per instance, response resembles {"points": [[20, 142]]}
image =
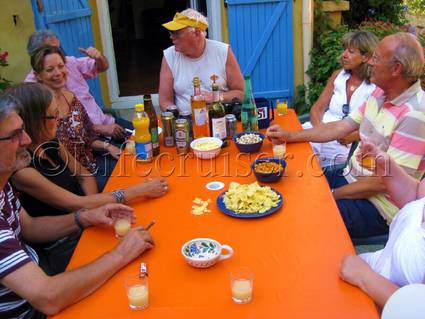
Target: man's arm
{"points": [[102, 63], [52, 294], [166, 91], [364, 187], [323, 133], [235, 81], [357, 272], [50, 228]]}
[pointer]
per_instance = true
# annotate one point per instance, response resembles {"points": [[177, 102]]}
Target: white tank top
{"points": [[403, 259], [339, 97], [184, 69]]}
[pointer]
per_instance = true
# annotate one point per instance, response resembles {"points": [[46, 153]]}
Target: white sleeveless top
{"points": [[184, 69], [403, 258], [339, 97]]}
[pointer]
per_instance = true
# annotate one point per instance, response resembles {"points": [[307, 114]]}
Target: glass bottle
{"points": [[142, 137], [249, 116], [199, 110], [153, 123], [216, 113]]}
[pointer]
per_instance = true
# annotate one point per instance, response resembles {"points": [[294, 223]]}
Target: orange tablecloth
{"points": [[294, 253]]}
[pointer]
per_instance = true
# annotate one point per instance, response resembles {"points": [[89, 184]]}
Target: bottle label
{"points": [[154, 137], [200, 116], [219, 128], [144, 151]]}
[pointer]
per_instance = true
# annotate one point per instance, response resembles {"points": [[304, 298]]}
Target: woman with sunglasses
{"points": [[346, 90], [55, 183], [75, 131]]}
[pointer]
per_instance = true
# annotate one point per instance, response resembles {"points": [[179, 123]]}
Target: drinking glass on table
{"points": [[279, 150], [122, 225], [281, 107], [241, 284], [137, 289]]}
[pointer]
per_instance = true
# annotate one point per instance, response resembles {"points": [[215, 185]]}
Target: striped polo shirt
{"points": [[398, 128], [13, 253]]}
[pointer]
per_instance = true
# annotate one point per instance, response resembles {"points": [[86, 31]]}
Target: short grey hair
{"points": [[8, 105], [195, 15], [38, 38], [410, 54]]}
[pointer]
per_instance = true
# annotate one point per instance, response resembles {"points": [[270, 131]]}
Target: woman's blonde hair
{"points": [[366, 43]]}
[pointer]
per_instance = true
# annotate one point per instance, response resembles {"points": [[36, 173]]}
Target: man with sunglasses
{"points": [[193, 55], [25, 290], [393, 118]]}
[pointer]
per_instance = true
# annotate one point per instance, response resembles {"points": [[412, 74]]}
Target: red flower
{"points": [[3, 56]]}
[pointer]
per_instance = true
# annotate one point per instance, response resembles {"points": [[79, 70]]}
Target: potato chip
{"points": [[202, 208], [250, 198]]}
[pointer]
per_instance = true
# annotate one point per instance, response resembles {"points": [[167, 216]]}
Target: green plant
{"points": [[416, 6], [392, 11], [4, 83]]}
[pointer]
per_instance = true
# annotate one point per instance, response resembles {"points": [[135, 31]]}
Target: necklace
{"points": [[352, 88]]}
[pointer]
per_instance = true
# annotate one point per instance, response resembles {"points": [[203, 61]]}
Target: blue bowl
{"points": [[269, 177], [249, 148]]}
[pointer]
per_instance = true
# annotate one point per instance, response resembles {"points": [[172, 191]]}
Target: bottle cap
{"points": [[139, 107]]}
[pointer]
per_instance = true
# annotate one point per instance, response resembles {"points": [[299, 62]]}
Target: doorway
{"points": [[133, 40]]}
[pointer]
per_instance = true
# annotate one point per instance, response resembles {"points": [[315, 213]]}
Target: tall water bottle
{"points": [[142, 136], [249, 115]]}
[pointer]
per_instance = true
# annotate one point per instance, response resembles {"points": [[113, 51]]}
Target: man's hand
{"points": [[134, 243], [354, 270], [276, 134], [91, 52], [208, 96], [368, 149], [105, 215]]}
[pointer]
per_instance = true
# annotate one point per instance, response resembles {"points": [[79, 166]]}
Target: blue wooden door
{"points": [[70, 20], [260, 34]]}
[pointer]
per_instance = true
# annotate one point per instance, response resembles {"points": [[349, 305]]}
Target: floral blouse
{"points": [[76, 132]]}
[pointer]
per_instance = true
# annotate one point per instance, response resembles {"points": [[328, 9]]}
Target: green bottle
{"points": [[249, 115]]}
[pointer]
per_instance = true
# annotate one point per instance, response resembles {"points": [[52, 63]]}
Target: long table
{"points": [[294, 253]]}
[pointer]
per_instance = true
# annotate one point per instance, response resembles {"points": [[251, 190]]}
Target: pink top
{"points": [[80, 70]]}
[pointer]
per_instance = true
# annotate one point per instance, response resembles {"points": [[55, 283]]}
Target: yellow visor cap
{"points": [[180, 21]]}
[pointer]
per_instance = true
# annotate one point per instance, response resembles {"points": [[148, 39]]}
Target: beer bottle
{"points": [[153, 123], [199, 110], [249, 116], [216, 113]]}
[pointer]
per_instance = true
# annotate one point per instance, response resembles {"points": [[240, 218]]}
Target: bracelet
{"points": [[119, 195], [77, 219]]}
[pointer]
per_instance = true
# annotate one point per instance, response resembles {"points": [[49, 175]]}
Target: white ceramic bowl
{"points": [[204, 252], [207, 153]]}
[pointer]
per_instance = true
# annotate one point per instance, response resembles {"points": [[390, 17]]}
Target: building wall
{"points": [[13, 38]]}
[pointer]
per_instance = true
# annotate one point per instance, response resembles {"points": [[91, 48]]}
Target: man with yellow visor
{"points": [[193, 55]]}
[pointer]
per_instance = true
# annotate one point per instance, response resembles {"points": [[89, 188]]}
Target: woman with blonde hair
{"points": [[346, 90]]}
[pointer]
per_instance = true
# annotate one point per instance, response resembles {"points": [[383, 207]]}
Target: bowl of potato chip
{"points": [[268, 169], [206, 147], [249, 142]]}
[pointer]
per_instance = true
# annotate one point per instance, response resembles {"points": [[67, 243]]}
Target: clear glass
{"points": [[281, 107], [279, 150], [137, 289], [122, 225], [241, 284]]}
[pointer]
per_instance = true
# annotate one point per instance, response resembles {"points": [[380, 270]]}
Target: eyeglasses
{"points": [[345, 110], [375, 59], [15, 136], [52, 117]]}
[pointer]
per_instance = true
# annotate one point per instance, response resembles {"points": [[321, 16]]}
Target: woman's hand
{"points": [[113, 150], [153, 187], [354, 270]]}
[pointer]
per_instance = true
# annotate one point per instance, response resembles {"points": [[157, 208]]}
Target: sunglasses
{"points": [[345, 110], [15, 136]]}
